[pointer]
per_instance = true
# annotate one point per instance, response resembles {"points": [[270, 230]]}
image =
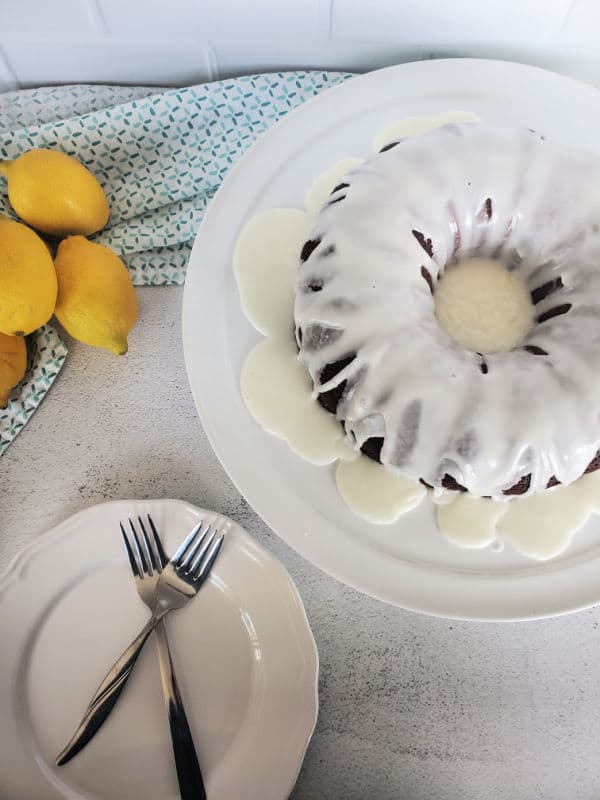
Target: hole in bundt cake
{"points": [[372, 447], [389, 146], [339, 187], [425, 243], [557, 311], [330, 399], [483, 307], [308, 247], [535, 350], [545, 289], [427, 275]]}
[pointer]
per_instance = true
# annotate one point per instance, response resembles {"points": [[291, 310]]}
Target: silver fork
{"points": [[148, 559], [180, 580]]}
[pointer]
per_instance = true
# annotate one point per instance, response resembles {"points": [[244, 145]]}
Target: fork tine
{"points": [[158, 544], [149, 544], [140, 553], [132, 562], [200, 553], [204, 569], [199, 544], [179, 554]]}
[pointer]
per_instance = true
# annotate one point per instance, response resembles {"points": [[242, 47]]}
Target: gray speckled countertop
{"points": [[412, 708]]}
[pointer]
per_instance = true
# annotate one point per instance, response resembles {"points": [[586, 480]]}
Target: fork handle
{"points": [[107, 694], [189, 775]]}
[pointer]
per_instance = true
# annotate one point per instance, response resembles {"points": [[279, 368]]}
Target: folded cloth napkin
{"points": [[160, 158]]}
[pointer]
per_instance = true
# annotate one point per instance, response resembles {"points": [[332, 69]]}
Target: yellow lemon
{"points": [[55, 194], [27, 279], [13, 360], [96, 300]]}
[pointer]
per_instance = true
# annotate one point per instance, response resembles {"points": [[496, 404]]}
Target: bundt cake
{"points": [[406, 392]]}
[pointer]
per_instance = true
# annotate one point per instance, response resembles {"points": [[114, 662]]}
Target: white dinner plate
{"points": [[408, 563], [244, 655]]}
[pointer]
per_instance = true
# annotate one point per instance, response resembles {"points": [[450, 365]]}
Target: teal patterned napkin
{"points": [[160, 157], [45, 356]]}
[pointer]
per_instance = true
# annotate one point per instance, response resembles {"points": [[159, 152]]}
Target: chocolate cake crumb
{"points": [[553, 312], [426, 244], [448, 482], [329, 371], [594, 464], [308, 247], [520, 487], [427, 275], [545, 289], [372, 447]]}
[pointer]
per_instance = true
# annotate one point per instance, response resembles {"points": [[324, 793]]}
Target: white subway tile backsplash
{"points": [[241, 56], [175, 18], [185, 41], [64, 16], [104, 60], [190, 18], [426, 22]]}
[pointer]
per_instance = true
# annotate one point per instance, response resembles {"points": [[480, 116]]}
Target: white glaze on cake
{"points": [[319, 191], [265, 263], [473, 190], [274, 384], [265, 266], [415, 126], [375, 492], [539, 526], [278, 394]]}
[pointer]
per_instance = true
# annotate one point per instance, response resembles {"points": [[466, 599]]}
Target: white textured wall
{"points": [[187, 41]]}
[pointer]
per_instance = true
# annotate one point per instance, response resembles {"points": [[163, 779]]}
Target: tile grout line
{"points": [[97, 15], [212, 61], [563, 25], [330, 20], [9, 67]]}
